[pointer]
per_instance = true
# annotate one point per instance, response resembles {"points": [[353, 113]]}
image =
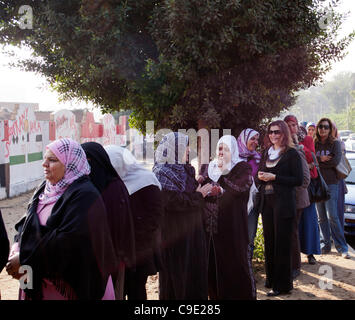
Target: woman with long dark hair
{"points": [[328, 153], [280, 172]]}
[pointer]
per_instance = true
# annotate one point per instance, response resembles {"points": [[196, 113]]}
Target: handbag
{"points": [[343, 168], [318, 189]]}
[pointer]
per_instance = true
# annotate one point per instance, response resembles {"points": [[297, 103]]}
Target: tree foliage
{"points": [[227, 63]]}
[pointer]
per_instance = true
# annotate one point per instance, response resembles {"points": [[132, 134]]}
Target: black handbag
{"points": [[318, 189]]}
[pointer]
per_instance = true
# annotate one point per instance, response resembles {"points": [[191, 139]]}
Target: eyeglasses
{"points": [[324, 126], [276, 132]]}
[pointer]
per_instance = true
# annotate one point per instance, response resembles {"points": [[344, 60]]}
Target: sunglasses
{"points": [[323, 126], [276, 132]]}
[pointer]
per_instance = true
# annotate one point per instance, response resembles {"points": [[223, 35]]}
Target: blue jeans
{"points": [[329, 222]]}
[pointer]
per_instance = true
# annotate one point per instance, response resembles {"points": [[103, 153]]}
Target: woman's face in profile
{"points": [[54, 170]]}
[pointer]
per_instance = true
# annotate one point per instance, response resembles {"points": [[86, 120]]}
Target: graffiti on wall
{"points": [[23, 140], [65, 125], [90, 130], [19, 132], [109, 130]]}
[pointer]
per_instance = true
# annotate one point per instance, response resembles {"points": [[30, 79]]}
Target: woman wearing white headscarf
{"points": [[146, 205], [230, 274]]}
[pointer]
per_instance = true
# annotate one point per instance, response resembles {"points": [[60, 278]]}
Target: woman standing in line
{"points": [[302, 198], [311, 129], [328, 153], [248, 141], [64, 236], [146, 204], [184, 255], [280, 172], [119, 213], [308, 227], [230, 275]]}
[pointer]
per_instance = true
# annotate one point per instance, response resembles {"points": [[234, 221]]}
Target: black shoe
{"points": [[325, 251], [274, 293], [295, 273], [311, 259], [267, 284]]}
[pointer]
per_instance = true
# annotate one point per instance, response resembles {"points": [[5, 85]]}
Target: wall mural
{"points": [[23, 139]]}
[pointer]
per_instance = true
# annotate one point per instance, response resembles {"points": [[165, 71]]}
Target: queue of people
{"points": [[101, 223]]}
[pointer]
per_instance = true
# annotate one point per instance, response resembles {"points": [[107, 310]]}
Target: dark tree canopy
{"points": [[227, 63]]}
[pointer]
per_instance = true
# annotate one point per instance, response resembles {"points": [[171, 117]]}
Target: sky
{"points": [[20, 86]]}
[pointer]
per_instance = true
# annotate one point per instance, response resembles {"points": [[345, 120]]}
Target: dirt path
{"points": [[332, 278]]}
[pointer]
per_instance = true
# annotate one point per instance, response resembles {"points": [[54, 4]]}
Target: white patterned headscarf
{"points": [[71, 154], [214, 171]]}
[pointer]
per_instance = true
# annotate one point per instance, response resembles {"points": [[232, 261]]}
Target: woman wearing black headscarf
{"points": [[116, 200]]}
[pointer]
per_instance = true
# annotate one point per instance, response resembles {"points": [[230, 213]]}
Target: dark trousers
{"points": [[134, 284], [296, 247], [278, 246], [212, 279]]}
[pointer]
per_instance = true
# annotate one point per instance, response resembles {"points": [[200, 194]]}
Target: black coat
{"points": [[289, 174], [184, 255], [4, 244], [74, 246], [146, 205], [279, 211], [230, 273], [116, 199]]}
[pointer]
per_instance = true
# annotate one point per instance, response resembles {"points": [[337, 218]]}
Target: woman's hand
{"points": [[13, 266], [215, 191], [205, 189], [325, 158], [200, 179], [266, 176]]}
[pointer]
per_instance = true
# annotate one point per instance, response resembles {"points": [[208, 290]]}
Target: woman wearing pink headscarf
{"points": [[64, 236], [248, 141]]}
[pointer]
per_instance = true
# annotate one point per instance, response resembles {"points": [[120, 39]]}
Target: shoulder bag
{"points": [[343, 168], [318, 189]]}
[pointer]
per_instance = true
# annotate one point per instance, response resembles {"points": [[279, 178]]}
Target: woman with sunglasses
{"points": [[280, 172], [328, 153]]}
